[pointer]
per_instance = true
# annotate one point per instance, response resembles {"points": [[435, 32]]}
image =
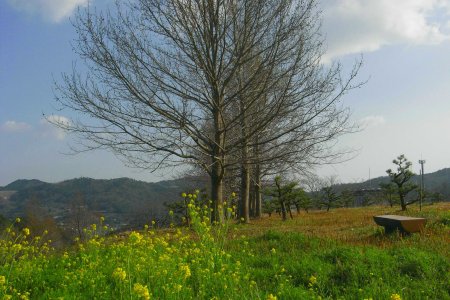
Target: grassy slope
{"points": [[337, 255]]}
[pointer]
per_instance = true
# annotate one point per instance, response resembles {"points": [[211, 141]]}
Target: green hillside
{"points": [[124, 201], [438, 181]]}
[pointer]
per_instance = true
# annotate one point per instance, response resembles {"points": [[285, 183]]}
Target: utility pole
{"points": [[421, 162]]}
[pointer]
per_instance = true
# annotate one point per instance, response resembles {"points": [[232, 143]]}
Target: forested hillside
{"points": [[122, 201], [438, 181]]}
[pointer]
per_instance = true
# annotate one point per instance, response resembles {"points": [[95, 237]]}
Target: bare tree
{"points": [[160, 72], [79, 216]]}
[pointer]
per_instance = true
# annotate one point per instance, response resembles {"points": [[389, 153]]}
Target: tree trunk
{"points": [[258, 197], [283, 210], [402, 203], [245, 166], [217, 163], [245, 191], [217, 194], [252, 198]]}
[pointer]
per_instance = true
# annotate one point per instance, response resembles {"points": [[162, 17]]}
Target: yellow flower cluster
{"points": [[135, 237], [396, 297], [141, 291], [185, 270], [119, 274], [312, 280]]}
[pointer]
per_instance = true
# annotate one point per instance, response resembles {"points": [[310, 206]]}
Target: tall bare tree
{"points": [[160, 72]]}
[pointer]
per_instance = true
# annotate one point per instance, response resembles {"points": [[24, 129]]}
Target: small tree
{"points": [[347, 198], [436, 197], [401, 180], [268, 207], [301, 200], [329, 198], [284, 194], [389, 191]]}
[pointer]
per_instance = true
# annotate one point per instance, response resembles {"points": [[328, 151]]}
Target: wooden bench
{"points": [[403, 224]]}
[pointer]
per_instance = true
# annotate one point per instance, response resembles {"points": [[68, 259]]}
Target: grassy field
{"points": [[339, 254]]}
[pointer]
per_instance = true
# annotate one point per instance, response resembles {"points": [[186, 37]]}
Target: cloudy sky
{"points": [[404, 107]]}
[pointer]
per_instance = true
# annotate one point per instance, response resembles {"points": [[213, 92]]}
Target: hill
{"points": [[22, 184], [122, 201], [438, 181]]}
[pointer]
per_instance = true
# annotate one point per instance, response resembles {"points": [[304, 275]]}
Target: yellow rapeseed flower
{"points": [[312, 280], [119, 274], [135, 237], [141, 291], [271, 297], [186, 270], [17, 247], [18, 220], [2, 280], [24, 296], [396, 297], [26, 231]]}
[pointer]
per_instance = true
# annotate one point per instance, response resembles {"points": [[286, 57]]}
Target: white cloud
{"points": [[14, 126], [355, 26], [52, 10], [372, 121], [50, 130]]}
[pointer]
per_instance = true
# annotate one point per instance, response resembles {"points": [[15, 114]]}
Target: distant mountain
{"points": [[123, 201], [22, 184], [438, 181]]}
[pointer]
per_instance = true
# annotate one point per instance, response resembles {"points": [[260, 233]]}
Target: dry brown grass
{"points": [[355, 226]]}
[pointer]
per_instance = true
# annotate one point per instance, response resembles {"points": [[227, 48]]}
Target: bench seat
{"points": [[403, 224]]}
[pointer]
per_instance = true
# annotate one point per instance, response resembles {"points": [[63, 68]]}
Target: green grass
{"points": [[343, 271], [336, 255]]}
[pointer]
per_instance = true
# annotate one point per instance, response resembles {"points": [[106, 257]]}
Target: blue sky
{"points": [[404, 107]]}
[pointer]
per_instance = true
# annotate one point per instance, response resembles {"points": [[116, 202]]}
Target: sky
{"points": [[404, 108]]}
